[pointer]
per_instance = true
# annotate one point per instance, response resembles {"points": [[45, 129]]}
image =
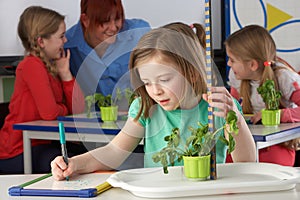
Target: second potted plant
{"points": [[197, 147], [108, 104], [270, 116]]}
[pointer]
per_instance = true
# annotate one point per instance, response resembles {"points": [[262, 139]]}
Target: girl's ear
{"points": [[40, 42], [254, 65], [84, 20]]}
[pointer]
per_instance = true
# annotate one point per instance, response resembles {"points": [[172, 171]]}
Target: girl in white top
{"points": [[252, 58]]}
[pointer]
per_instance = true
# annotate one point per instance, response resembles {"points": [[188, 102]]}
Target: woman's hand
{"points": [[63, 66], [60, 170]]}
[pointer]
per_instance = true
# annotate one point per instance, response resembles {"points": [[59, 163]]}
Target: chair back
{"points": [[3, 112]]}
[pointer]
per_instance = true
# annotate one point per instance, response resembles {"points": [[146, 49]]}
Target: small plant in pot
{"points": [[197, 147], [108, 104], [270, 116]]}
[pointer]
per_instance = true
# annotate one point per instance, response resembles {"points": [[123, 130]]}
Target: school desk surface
{"points": [[7, 181]]}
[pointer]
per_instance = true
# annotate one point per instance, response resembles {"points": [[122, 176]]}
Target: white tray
{"points": [[231, 178]]}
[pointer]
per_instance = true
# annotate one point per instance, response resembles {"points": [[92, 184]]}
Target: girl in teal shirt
{"points": [[167, 70]]}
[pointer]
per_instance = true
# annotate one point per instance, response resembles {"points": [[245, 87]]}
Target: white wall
{"points": [[10, 44], [160, 12], [284, 30], [156, 12]]}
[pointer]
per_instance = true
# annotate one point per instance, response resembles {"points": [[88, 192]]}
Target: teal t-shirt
{"points": [[161, 123]]}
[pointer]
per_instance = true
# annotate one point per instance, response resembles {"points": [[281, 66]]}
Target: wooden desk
{"points": [[81, 130], [6, 181]]}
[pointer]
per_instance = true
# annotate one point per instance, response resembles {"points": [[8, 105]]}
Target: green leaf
{"points": [[231, 145], [269, 95]]}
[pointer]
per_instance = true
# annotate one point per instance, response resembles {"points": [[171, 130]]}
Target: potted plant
{"points": [[197, 147], [107, 104], [270, 116]]}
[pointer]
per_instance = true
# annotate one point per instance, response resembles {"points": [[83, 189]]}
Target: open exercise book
{"points": [[86, 185]]}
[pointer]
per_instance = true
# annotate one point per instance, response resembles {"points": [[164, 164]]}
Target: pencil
{"points": [[103, 187], [35, 180], [62, 139]]}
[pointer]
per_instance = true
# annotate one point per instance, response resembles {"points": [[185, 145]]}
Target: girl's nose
{"points": [[157, 89], [229, 63]]}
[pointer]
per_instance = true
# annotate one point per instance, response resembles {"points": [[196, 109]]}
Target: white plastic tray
{"points": [[231, 178]]}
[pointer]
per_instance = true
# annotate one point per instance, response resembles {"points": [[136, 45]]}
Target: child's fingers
{"points": [[256, 118], [68, 53], [222, 100], [62, 53], [57, 168], [222, 110], [57, 172], [222, 97], [70, 170]]}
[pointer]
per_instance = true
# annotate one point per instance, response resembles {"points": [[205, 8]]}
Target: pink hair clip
{"points": [[192, 26], [267, 63]]}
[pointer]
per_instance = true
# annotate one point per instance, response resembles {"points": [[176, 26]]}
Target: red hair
{"points": [[100, 11]]}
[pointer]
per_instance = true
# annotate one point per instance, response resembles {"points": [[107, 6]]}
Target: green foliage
{"points": [[269, 95], [199, 143]]}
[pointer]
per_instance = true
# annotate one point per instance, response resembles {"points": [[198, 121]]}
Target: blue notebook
{"points": [[85, 186]]}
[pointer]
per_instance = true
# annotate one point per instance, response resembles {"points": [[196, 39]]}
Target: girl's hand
{"points": [[221, 99], [63, 66], [256, 118], [60, 170]]}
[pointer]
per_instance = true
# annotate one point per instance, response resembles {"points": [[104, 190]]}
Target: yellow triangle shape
{"points": [[275, 16]]}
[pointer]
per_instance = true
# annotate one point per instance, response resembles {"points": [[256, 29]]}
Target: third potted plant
{"points": [[270, 116]]}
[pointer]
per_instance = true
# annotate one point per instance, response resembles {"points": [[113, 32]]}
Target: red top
{"points": [[37, 96]]}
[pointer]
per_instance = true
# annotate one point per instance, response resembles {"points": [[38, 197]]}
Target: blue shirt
{"points": [[95, 74]]}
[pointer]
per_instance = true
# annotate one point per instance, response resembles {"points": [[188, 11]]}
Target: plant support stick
{"points": [[213, 166]]}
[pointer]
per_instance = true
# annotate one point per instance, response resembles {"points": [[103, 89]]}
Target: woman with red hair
{"points": [[100, 45]]}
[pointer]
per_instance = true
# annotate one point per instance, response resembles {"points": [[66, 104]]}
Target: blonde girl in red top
{"points": [[44, 88]]}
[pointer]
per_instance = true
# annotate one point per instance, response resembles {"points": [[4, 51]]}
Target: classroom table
{"points": [[265, 136], [74, 130], [82, 130], [7, 181]]}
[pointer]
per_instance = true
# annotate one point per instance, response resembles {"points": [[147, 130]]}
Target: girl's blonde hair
{"points": [[180, 47], [36, 22], [254, 42]]}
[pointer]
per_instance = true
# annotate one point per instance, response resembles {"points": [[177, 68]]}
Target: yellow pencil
{"points": [[103, 187]]}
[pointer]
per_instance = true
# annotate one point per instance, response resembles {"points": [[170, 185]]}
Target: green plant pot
{"points": [[196, 168], [270, 117], [109, 113]]}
